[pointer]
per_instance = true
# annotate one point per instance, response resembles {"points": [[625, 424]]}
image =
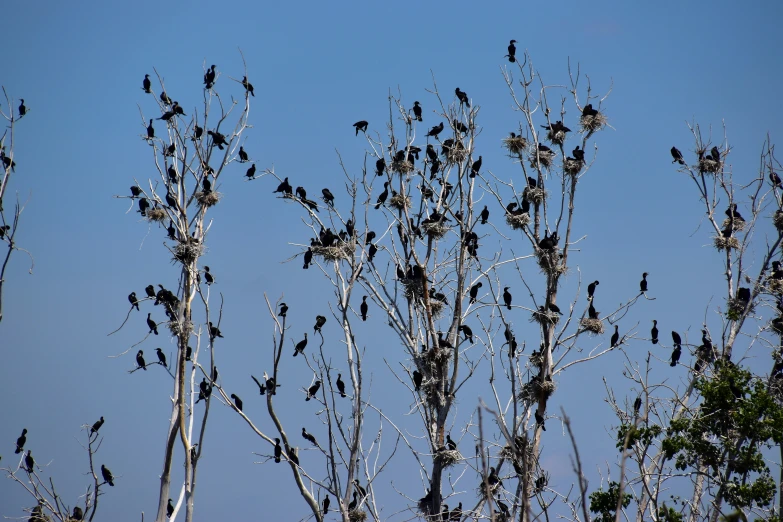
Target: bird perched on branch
{"points": [[300, 346], [147, 84], [417, 111], [218, 139], [152, 324], [474, 292], [29, 462], [140, 360], [643, 283], [382, 196], [320, 320], [170, 508], [637, 405], [209, 77], [484, 215], [248, 86], [208, 277], [22, 108], [465, 329], [417, 380], [312, 390], [654, 332], [78, 514], [309, 437], [328, 197], [133, 301], [363, 308], [325, 504], [107, 476], [512, 52], [677, 155], [96, 426], [615, 336], [437, 129], [278, 450], [214, 332], [462, 97], [675, 355], [21, 441], [150, 130], [360, 125], [474, 170], [237, 401], [340, 385], [161, 357], [591, 290], [507, 297]]}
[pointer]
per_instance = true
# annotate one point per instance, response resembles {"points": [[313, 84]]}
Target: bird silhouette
{"points": [[462, 97], [29, 462], [312, 390], [147, 84], [308, 437], [340, 385], [133, 301], [320, 320], [278, 451], [152, 324], [643, 283], [169, 509], [96, 426], [237, 401], [140, 360], [474, 292], [615, 336], [363, 308], [507, 297], [161, 357], [654, 332], [248, 86], [360, 125], [677, 155], [21, 441], [591, 290], [107, 476], [300, 346], [417, 111], [437, 129]]}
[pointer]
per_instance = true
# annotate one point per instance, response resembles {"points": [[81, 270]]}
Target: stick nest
{"points": [[593, 326], [777, 219], [518, 221], [208, 199], [515, 145], [572, 166], [343, 251], [448, 458], [432, 390], [402, 167], [156, 214], [537, 359], [481, 491], [737, 306], [534, 195], [726, 243], [357, 515], [558, 138], [739, 224], [400, 202], [457, 153], [536, 390], [546, 158], [592, 122], [187, 252], [776, 387], [545, 317], [435, 230], [176, 328], [708, 165], [775, 286], [550, 261]]}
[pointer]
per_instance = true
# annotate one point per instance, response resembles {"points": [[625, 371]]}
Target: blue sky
{"points": [[317, 68]]}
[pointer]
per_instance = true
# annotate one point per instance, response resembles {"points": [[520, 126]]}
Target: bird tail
{"points": [[655, 341], [296, 352], [18, 450], [357, 131], [508, 306]]}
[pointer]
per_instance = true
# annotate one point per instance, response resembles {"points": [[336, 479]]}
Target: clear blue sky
{"points": [[317, 68]]}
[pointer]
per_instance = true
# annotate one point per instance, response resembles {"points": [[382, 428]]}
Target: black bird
{"points": [[147, 84], [208, 277], [248, 86], [165, 98], [540, 421], [96, 426], [308, 258], [369, 238], [150, 130], [301, 193], [22, 108], [775, 179], [450, 444], [493, 478], [169, 509], [198, 131], [261, 387], [151, 323], [363, 308], [242, 154], [177, 109], [150, 291], [78, 514], [167, 115], [676, 338], [340, 385], [300, 346], [372, 252], [715, 153], [29, 461], [214, 332], [172, 173], [512, 51], [383, 195], [36, 515], [654, 332], [360, 125], [591, 290], [579, 155], [284, 187], [462, 97], [417, 379], [209, 77], [161, 357], [677, 155], [643, 283], [133, 301], [615, 336], [205, 390], [217, 139], [309, 437], [278, 450], [312, 390], [731, 212], [507, 297], [328, 197], [21, 441], [171, 201], [465, 329], [214, 374], [474, 170], [352, 505], [362, 492], [326, 504], [591, 312], [484, 215], [188, 353], [637, 404], [237, 401], [283, 310], [417, 110], [675, 355], [437, 129], [107, 476], [135, 191], [140, 360], [706, 341], [320, 320], [251, 172], [474, 292]]}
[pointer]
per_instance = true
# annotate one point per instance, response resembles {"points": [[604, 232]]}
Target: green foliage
{"points": [[644, 434], [737, 416], [605, 502], [667, 514]]}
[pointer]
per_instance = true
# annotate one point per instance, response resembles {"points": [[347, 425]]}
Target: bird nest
{"points": [[457, 153], [556, 137], [343, 251], [775, 286], [481, 490], [435, 230], [524, 449], [545, 158], [208, 199], [776, 388], [726, 243], [550, 261], [592, 122], [187, 252], [593, 326], [448, 458], [156, 214], [176, 327], [708, 165], [413, 288], [400, 202], [440, 354], [518, 221], [739, 224], [534, 195], [433, 392], [515, 145], [545, 317], [537, 359], [572, 166], [536, 389], [737, 306], [357, 515], [402, 167], [777, 220]]}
